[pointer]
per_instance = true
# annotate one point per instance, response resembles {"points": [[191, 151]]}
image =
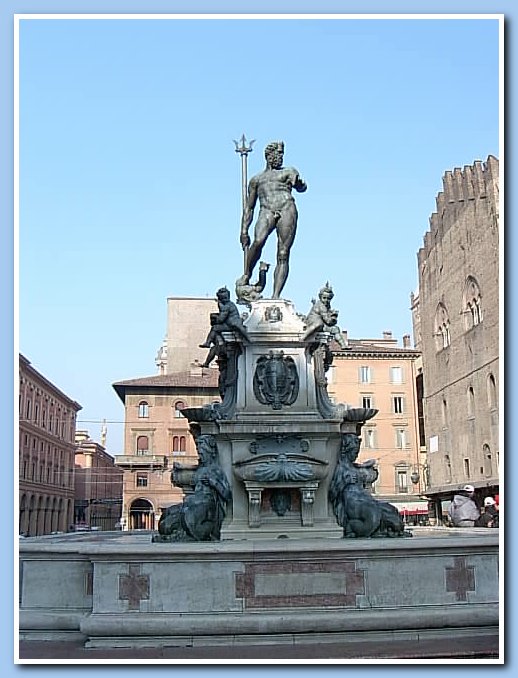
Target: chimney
{"points": [[81, 437], [387, 334], [406, 341]]}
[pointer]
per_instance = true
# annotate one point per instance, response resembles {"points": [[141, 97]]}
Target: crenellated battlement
{"points": [[460, 187]]}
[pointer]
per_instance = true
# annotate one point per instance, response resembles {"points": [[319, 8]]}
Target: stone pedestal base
{"points": [[120, 590]]}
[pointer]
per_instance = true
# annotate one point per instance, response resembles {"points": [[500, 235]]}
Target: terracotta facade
{"points": [[157, 435], [377, 373], [98, 486], [47, 424]]}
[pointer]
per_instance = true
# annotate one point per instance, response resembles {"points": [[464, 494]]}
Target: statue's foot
{"points": [[204, 345]]}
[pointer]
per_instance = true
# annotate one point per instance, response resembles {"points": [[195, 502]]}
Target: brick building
{"points": [[47, 425], [156, 435], [456, 326], [98, 485]]}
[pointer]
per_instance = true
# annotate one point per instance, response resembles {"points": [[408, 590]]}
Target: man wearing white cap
{"points": [[463, 509], [490, 516]]}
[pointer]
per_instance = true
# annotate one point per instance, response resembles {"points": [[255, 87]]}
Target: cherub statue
{"points": [[227, 319], [324, 318]]}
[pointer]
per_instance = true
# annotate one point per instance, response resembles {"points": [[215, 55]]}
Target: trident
{"points": [[244, 150]]}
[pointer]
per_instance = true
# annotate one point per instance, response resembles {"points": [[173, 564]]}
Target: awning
{"points": [[411, 508]]}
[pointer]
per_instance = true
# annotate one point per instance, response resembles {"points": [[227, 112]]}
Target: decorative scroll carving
{"points": [[282, 469]]}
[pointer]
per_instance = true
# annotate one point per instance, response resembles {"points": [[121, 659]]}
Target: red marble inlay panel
{"points": [[134, 587], [89, 583], [460, 578], [353, 584]]}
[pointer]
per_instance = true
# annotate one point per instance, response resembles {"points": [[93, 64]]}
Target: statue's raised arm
{"points": [[277, 211]]}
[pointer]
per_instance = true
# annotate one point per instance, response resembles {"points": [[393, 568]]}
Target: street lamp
{"points": [[415, 476]]}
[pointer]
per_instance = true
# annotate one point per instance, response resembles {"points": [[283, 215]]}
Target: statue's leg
{"points": [[265, 224], [286, 228], [210, 356], [311, 329], [211, 337]]}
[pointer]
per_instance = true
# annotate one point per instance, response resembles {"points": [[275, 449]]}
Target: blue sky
{"points": [[130, 185]]}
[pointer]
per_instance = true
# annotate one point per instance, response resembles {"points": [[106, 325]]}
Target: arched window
{"points": [[472, 305], [491, 392], [442, 327], [179, 444], [142, 445], [143, 410], [178, 406]]}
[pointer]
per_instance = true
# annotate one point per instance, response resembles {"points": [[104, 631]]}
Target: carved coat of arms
{"points": [[276, 380]]}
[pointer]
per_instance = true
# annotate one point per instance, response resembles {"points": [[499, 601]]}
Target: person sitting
{"points": [[463, 510]]}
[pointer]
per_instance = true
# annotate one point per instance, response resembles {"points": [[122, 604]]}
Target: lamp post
{"points": [[416, 476]]}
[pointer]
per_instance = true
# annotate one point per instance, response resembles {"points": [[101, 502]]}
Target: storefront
{"points": [[413, 512]]}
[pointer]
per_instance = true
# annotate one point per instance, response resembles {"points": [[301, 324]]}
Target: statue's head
{"points": [[350, 447], [326, 293], [223, 294], [274, 154], [207, 448]]}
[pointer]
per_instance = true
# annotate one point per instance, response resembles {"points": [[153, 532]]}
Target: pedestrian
{"points": [[463, 510], [489, 517]]}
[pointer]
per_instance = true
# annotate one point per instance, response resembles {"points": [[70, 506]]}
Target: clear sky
{"points": [[130, 187]]}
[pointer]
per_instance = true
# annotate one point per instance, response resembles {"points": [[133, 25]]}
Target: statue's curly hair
{"points": [[272, 147]]}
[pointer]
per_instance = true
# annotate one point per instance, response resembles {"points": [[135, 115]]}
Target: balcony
{"points": [[154, 461]]}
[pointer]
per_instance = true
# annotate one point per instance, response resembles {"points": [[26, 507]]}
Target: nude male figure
{"points": [[277, 211]]}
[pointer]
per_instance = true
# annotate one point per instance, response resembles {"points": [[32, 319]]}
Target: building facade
{"points": [[157, 435], [188, 321], [47, 426], [98, 486], [377, 373], [456, 322]]}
